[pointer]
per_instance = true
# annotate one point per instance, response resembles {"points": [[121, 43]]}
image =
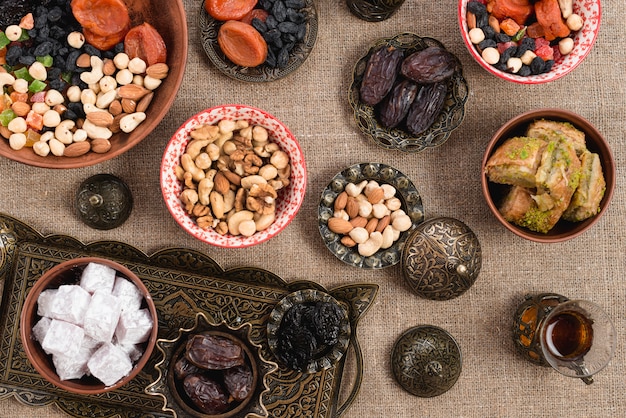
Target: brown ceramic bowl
{"points": [[596, 143], [66, 273], [168, 17]]}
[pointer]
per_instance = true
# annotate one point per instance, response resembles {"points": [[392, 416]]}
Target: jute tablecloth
{"points": [[495, 381]]}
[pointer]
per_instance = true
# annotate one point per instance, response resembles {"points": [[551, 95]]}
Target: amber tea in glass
{"points": [[568, 335]]}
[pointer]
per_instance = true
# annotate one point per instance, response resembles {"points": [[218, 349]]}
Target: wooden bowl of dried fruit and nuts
{"points": [[233, 176], [366, 214], [79, 94]]}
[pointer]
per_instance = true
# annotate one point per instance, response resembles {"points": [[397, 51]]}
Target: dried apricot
{"points": [[145, 42], [242, 44], [260, 14], [229, 9], [102, 18]]}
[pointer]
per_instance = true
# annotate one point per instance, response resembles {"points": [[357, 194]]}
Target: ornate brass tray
{"points": [[181, 282]]}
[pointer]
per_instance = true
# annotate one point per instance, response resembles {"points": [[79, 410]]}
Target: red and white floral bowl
{"points": [[589, 10], [289, 198]]}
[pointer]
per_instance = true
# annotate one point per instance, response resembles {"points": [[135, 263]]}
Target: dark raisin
{"points": [[13, 55], [288, 27], [271, 22], [501, 37], [259, 25], [487, 43], [92, 50], [488, 31], [295, 16], [548, 66], [271, 58], [279, 11], [295, 4], [429, 65], [380, 74], [44, 48], [301, 32], [537, 66], [426, 107], [238, 382], [507, 53], [76, 109], [527, 43], [55, 14], [283, 58], [12, 11], [476, 8], [26, 60], [206, 394], [396, 104], [482, 21], [58, 84]]}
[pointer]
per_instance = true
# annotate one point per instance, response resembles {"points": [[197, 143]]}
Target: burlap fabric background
{"points": [[495, 382]]}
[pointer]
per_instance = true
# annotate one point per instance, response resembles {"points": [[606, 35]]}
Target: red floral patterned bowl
{"points": [[289, 198], [584, 39]]}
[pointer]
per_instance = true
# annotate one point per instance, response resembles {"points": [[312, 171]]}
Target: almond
{"points": [[347, 241], [341, 200], [371, 225], [145, 101], [221, 183], [77, 149], [129, 105], [339, 225], [383, 222], [234, 178], [109, 67], [100, 118], [132, 91], [20, 108], [100, 145], [158, 70], [352, 207], [376, 195], [359, 221], [83, 61], [115, 108], [115, 126]]}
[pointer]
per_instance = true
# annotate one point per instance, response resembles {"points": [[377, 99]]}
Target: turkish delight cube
{"points": [[129, 294], [41, 329], [63, 338], [69, 304], [44, 300], [134, 351], [75, 367], [134, 327], [96, 276], [101, 316], [109, 364]]}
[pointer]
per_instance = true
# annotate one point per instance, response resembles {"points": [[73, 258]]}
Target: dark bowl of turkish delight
{"points": [[308, 331], [408, 93], [212, 370], [88, 325]]}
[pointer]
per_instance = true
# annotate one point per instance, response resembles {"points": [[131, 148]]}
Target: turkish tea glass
{"points": [[374, 10]]}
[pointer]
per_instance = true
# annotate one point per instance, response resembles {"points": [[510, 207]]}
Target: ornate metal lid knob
{"points": [[103, 201], [426, 361], [441, 259]]}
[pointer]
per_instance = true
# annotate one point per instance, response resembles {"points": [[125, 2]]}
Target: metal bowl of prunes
{"points": [[258, 41], [408, 93], [212, 370], [308, 331]]}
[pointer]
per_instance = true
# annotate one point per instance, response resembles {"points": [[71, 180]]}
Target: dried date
{"points": [[426, 107], [430, 65], [214, 352], [380, 74], [397, 103], [183, 368], [238, 381], [206, 394]]}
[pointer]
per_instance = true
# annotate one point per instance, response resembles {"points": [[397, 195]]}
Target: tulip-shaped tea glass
{"points": [[576, 337]]}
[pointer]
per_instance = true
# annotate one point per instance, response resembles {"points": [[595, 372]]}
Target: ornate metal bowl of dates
{"points": [[439, 111], [212, 370], [308, 331], [290, 33]]}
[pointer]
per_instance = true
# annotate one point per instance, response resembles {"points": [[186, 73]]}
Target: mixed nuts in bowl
{"points": [[233, 176]]}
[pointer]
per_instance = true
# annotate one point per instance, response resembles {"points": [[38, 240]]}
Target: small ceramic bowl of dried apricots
{"points": [[529, 42], [233, 176], [258, 40]]}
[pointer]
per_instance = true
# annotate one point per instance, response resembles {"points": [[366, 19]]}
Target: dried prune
{"points": [[238, 381], [426, 107], [183, 368], [325, 323], [396, 104], [213, 352], [430, 65], [296, 346], [380, 74], [206, 394]]}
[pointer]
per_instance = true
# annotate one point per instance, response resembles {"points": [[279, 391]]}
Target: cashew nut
{"points": [[264, 221], [279, 159], [6, 79], [217, 204], [104, 99], [236, 219], [401, 223], [96, 73], [387, 237], [248, 181], [359, 235], [373, 244], [205, 187], [355, 189], [94, 131], [247, 228], [129, 122], [229, 200], [195, 147], [190, 166], [188, 197], [63, 131]]}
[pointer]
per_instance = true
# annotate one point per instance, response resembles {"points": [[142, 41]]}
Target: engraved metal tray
{"points": [[182, 282]]}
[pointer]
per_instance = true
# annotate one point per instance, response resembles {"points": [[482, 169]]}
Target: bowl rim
{"points": [[27, 316], [235, 241], [530, 80], [60, 163], [581, 123]]}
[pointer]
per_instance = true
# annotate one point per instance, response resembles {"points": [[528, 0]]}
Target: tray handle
{"points": [[358, 378]]}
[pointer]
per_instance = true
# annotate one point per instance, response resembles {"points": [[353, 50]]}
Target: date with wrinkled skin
{"points": [[238, 381], [380, 74], [213, 352], [396, 105], [206, 394], [183, 368], [430, 65], [426, 107]]}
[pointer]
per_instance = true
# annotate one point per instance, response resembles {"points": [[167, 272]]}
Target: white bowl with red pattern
{"points": [[584, 39], [289, 199]]}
